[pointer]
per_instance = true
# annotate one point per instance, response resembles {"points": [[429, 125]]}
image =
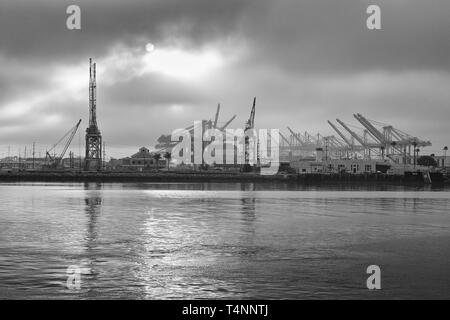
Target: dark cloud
{"points": [[36, 30], [331, 36], [313, 35]]}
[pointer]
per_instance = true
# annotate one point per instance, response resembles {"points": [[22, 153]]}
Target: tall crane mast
{"points": [[93, 158], [92, 95]]}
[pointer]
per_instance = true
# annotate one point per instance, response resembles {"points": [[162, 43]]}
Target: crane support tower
{"points": [[93, 159]]}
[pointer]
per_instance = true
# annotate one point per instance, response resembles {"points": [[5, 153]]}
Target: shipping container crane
{"points": [[362, 141], [394, 141]]}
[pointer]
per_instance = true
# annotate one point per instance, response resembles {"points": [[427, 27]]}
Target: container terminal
{"points": [[368, 151]]}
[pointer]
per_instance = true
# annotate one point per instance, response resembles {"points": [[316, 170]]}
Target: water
{"points": [[229, 240]]}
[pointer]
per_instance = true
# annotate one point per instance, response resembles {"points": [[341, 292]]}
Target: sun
{"points": [[150, 47]]}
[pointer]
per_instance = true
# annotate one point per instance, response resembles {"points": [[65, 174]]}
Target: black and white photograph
{"points": [[224, 150]]}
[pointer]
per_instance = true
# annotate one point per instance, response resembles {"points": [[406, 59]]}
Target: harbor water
{"points": [[222, 240]]}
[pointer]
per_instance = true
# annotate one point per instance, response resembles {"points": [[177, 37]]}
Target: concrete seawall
{"points": [[66, 176]]}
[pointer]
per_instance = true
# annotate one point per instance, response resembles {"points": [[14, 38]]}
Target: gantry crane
{"points": [[386, 139], [362, 140]]}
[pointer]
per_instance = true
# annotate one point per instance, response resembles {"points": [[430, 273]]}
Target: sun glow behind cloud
{"points": [[122, 64], [181, 64]]}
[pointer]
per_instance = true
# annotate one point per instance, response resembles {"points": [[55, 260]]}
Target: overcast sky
{"points": [[306, 61]]}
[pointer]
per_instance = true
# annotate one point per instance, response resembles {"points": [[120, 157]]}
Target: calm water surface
{"points": [[222, 240]]}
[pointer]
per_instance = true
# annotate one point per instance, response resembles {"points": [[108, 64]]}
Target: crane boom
{"points": [[340, 133], [69, 141], [376, 133], [284, 138], [354, 135], [251, 120], [227, 123], [296, 137], [217, 116], [249, 125], [70, 134], [373, 131]]}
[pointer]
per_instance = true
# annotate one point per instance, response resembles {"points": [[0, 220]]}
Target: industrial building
{"points": [[141, 160]]}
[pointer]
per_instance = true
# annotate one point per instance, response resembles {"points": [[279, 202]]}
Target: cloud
{"points": [[36, 30], [324, 36]]}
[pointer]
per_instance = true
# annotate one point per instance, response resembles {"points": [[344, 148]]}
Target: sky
{"points": [[306, 62]]}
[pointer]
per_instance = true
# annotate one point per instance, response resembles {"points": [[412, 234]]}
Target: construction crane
{"points": [[249, 125], [55, 160]]}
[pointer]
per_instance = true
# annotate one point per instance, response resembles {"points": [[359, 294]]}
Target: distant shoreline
{"points": [[201, 176]]}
